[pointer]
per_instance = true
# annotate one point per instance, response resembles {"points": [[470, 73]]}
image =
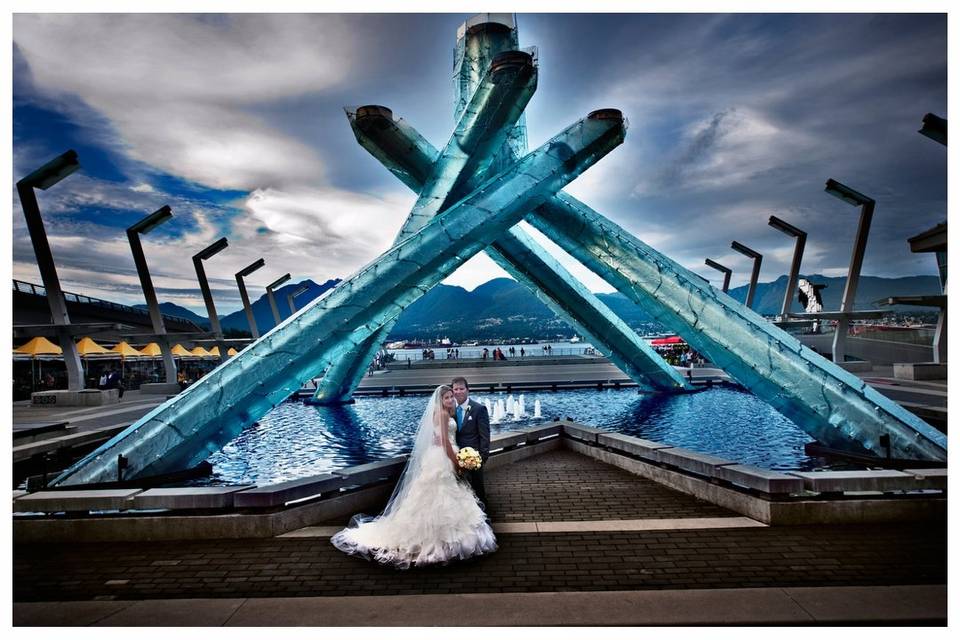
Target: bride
{"points": [[431, 518]]}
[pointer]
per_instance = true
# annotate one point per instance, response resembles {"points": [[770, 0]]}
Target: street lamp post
{"points": [[44, 178], [273, 303], [755, 274], [726, 271], [794, 276], [301, 290], [866, 205], [198, 259], [246, 299], [144, 226]]}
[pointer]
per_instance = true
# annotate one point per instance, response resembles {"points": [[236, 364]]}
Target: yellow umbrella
{"points": [[126, 351], [231, 352], [39, 346], [87, 347], [179, 350], [200, 351], [215, 351], [151, 350]]}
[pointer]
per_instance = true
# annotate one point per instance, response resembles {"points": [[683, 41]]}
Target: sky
{"points": [[236, 122]]}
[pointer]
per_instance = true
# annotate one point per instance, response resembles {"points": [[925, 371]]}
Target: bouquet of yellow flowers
{"points": [[469, 459]]}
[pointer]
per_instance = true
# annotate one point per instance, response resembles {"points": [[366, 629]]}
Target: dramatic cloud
{"points": [[236, 122]]}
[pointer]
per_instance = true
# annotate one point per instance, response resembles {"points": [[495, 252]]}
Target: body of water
{"points": [[297, 440]]}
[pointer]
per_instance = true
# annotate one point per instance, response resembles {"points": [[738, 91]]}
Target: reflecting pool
{"points": [[297, 440]]}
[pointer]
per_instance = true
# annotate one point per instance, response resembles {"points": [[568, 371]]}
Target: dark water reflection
{"points": [[296, 440]]}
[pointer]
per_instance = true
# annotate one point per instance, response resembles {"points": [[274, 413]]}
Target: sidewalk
{"points": [[913, 605]]}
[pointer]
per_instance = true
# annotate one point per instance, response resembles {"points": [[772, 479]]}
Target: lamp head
{"points": [[717, 266], [212, 250], [745, 250], [152, 221], [52, 172], [243, 273], [279, 281], [786, 227], [847, 194], [935, 128]]}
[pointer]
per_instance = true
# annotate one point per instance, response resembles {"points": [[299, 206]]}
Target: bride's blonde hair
{"points": [[441, 415]]}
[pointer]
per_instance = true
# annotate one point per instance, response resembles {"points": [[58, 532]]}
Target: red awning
{"points": [[667, 340]]}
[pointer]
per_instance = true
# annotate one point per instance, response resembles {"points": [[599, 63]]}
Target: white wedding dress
{"points": [[432, 517]]}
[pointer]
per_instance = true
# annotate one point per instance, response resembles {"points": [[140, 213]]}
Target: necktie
{"points": [[459, 417]]}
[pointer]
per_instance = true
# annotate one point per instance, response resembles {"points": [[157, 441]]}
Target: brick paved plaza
{"points": [[558, 486]]}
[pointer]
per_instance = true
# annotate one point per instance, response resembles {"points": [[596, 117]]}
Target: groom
{"points": [[473, 430]]}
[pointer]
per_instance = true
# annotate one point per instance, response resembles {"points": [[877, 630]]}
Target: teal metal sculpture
{"points": [[489, 135], [186, 429], [823, 399]]}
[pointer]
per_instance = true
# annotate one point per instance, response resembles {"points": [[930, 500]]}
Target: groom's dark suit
{"points": [[474, 431]]}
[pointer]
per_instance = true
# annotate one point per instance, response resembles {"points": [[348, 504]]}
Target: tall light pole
{"points": [[726, 271], [44, 178], [145, 226], [755, 274], [273, 303], [794, 276], [198, 259], [866, 205], [301, 290], [243, 273]]}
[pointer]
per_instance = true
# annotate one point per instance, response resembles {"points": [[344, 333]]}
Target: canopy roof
{"points": [[180, 350], [87, 347], [39, 346], [152, 350], [126, 351]]}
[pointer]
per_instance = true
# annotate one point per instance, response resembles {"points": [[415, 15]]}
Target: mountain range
{"points": [[504, 309]]}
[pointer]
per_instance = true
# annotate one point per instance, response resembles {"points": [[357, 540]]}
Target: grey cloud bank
{"points": [[733, 118]]}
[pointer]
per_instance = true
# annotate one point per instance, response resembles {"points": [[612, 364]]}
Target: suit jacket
{"points": [[475, 430]]}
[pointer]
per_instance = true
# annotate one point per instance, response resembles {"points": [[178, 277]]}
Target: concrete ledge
{"points": [[920, 370], [929, 478], [773, 512], [507, 440], [84, 398], [856, 366], [510, 456], [188, 498], [530, 435], [543, 431], [92, 500], [26, 433], [199, 527], [72, 439], [273, 495], [581, 431], [646, 449], [751, 477], [837, 481], [160, 388], [372, 471], [700, 463]]}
